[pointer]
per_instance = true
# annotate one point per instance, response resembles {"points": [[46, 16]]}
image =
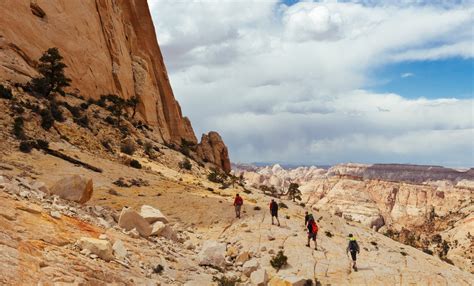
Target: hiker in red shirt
{"points": [[238, 202], [312, 229]]}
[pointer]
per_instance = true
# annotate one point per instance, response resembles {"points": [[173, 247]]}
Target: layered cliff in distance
{"points": [[428, 207]]}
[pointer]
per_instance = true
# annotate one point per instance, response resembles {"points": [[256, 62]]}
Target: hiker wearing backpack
{"points": [[274, 211], [238, 202], [353, 248], [312, 229]]}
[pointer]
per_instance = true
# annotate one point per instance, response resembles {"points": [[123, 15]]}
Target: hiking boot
{"points": [[307, 245]]}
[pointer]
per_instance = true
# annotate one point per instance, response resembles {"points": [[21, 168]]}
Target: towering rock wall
{"points": [[110, 47]]}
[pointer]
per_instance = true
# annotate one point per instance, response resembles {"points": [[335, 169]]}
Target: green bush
{"points": [[135, 164], [216, 177], [5, 92], [224, 281], [279, 261], [26, 146], [56, 112], [82, 121]]}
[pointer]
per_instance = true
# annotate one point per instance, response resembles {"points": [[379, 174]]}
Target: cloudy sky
{"points": [[324, 82]]}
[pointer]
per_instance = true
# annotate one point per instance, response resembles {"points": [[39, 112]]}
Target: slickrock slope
{"points": [[435, 216], [110, 47]]}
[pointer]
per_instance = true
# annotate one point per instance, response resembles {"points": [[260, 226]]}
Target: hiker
{"points": [[312, 229], [238, 202], [307, 216], [353, 248], [274, 211]]}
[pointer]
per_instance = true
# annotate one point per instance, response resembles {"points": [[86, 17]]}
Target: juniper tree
{"points": [[52, 77]]}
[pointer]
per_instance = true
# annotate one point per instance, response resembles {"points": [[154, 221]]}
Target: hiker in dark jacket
{"points": [[353, 248], [274, 211], [312, 229], [238, 202]]}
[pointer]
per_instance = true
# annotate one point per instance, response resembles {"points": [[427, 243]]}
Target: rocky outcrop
{"points": [[212, 149], [110, 47], [73, 188]]}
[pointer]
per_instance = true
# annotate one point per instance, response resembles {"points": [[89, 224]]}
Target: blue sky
{"points": [[446, 78], [325, 82]]}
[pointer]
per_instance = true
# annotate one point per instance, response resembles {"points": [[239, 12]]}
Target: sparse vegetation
{"points": [[403, 253], [293, 192], [26, 146], [158, 269], [53, 78], [47, 119], [135, 164], [225, 281], [282, 205], [279, 260], [257, 208], [5, 93], [128, 147], [328, 233], [216, 177], [185, 164], [428, 251], [133, 103], [42, 144], [18, 128]]}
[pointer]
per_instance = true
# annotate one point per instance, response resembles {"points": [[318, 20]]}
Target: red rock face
{"points": [[213, 149], [110, 47]]}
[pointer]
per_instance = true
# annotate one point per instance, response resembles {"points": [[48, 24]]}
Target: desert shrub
{"points": [[110, 120], [444, 248], [185, 164], [139, 142], [428, 251], [303, 205], [328, 233], [47, 119], [374, 243], [436, 238], [26, 146], [257, 208], [56, 112], [158, 269], [42, 144], [293, 192], [84, 105], [75, 111], [403, 253], [124, 130], [127, 147], [185, 151], [148, 147], [82, 121], [216, 177], [225, 281], [279, 260], [5, 92], [18, 128], [16, 108], [135, 164], [447, 260], [210, 189], [282, 205], [53, 79], [247, 191], [107, 145]]}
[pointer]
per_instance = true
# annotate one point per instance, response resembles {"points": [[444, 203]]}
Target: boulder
{"points": [[73, 188], [99, 247], [259, 277], [152, 214], [157, 228], [130, 219], [250, 266], [287, 281], [232, 251], [120, 251], [242, 258], [212, 254]]}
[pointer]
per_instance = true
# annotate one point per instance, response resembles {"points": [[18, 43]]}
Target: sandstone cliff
{"points": [[110, 47]]}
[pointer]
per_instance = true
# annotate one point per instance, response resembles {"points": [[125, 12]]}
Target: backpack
{"points": [[353, 246], [314, 227]]}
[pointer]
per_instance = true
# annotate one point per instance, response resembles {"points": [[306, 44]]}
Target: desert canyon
{"points": [[89, 197]]}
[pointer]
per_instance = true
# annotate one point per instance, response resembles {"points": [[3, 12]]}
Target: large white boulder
{"points": [[73, 188], [212, 253], [130, 219], [119, 249], [101, 248], [157, 228], [152, 214], [259, 277]]}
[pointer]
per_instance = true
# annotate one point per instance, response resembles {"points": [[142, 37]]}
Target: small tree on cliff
{"points": [[133, 103], [53, 79], [294, 192]]}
